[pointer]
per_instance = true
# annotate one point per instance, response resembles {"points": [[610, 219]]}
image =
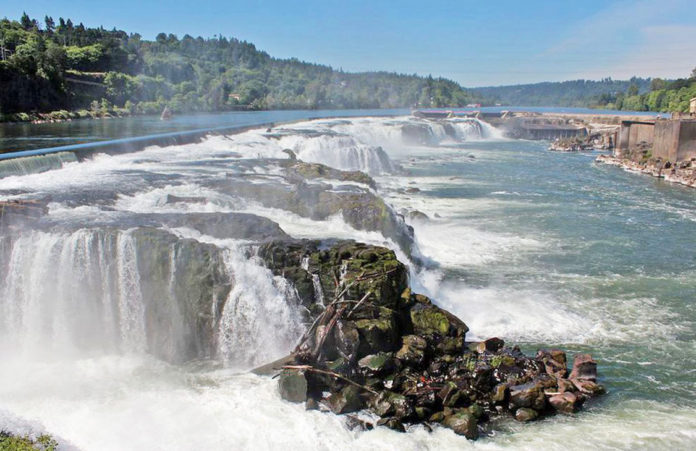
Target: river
{"points": [[538, 248]]}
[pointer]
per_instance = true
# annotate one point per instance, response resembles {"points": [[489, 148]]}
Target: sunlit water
{"points": [[538, 248]]}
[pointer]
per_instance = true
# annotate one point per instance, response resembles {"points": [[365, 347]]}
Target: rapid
{"points": [[110, 338]]}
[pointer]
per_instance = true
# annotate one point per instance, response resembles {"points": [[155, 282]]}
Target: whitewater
{"points": [[537, 248]]}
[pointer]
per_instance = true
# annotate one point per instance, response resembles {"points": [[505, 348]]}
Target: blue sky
{"points": [[488, 42]]}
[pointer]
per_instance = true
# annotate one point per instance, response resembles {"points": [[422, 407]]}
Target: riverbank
{"points": [[682, 173], [62, 116]]}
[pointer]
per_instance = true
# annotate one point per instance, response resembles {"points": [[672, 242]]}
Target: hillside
{"points": [[52, 66], [574, 93]]}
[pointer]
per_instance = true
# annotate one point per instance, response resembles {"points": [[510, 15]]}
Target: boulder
{"points": [[491, 345], [554, 361], [346, 401], [390, 404], [588, 387], [392, 423], [292, 385], [566, 402], [584, 368], [376, 364], [377, 334], [530, 394], [412, 350], [500, 394], [525, 414], [462, 423], [347, 339], [429, 320]]}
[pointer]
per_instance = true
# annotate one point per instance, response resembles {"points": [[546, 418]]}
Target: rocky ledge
{"points": [[387, 356], [683, 172]]}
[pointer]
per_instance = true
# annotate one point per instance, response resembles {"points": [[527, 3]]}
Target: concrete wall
{"points": [[622, 142], [641, 133], [666, 140], [687, 141]]}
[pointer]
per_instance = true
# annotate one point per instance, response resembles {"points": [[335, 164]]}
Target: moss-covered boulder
{"points": [[462, 423]]}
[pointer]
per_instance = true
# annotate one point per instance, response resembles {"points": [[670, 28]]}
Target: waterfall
{"points": [[72, 292], [341, 152], [261, 319], [142, 290], [36, 164]]}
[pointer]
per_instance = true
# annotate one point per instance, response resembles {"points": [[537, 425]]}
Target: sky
{"points": [[476, 43]]}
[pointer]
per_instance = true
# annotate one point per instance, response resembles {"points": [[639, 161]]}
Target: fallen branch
{"points": [[311, 369]]}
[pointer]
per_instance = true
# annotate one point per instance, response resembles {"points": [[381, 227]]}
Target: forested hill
{"points": [[575, 93], [52, 65]]}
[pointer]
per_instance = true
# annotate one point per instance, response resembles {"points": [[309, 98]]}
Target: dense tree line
{"points": [[573, 93], [664, 95], [60, 65]]}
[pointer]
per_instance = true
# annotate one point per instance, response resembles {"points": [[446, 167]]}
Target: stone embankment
{"points": [[386, 356], [683, 172]]}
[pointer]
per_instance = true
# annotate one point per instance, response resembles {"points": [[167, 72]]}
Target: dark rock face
{"points": [[359, 206], [181, 319], [373, 344]]}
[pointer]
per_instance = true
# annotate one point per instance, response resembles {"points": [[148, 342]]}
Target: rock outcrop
{"points": [[682, 172], [374, 345]]}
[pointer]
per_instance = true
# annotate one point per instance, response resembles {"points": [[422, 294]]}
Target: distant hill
{"points": [[574, 93], [54, 65]]}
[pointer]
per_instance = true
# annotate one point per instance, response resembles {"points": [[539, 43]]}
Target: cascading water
{"points": [[72, 293], [109, 328], [35, 164], [261, 319]]}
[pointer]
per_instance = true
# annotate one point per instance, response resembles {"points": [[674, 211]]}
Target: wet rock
{"points": [[378, 334], [390, 404], [481, 377], [354, 423], [376, 364], [300, 171], [412, 350], [525, 414], [392, 423], [429, 320], [565, 385], [293, 385], [450, 395], [417, 216], [491, 345], [346, 401], [530, 394], [588, 387], [289, 152], [450, 345], [347, 339], [462, 423], [554, 361], [584, 368], [500, 394], [566, 402], [437, 417]]}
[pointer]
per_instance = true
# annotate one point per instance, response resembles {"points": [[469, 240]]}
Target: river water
{"points": [[538, 248]]}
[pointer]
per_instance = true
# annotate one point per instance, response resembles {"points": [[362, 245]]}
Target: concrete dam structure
{"points": [[671, 140]]}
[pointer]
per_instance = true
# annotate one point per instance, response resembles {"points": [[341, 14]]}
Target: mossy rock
{"points": [[429, 320], [377, 334], [292, 385]]}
